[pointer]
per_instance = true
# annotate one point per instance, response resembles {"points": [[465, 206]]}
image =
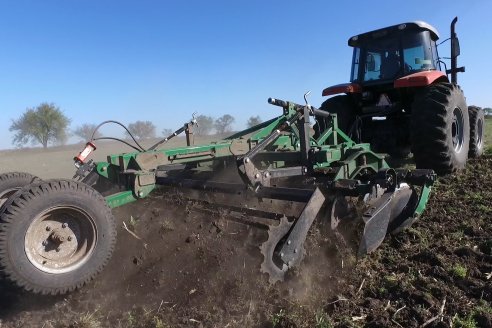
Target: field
{"points": [[196, 266], [488, 134]]}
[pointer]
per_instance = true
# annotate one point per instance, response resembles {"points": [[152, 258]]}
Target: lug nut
{"points": [[257, 176], [69, 238], [64, 225]]}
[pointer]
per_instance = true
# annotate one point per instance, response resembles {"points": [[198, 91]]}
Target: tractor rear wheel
{"points": [[477, 118], [341, 105], [55, 236], [440, 129], [13, 181]]}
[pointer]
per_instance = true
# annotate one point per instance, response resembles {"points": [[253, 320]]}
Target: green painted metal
{"points": [[120, 198], [334, 153], [125, 197], [178, 155], [262, 130], [357, 159], [424, 198]]}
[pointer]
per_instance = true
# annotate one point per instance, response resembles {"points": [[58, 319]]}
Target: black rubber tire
{"points": [[13, 181], [433, 110], [19, 213], [477, 128], [344, 107]]}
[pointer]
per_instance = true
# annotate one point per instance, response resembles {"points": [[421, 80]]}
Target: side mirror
{"points": [[455, 47], [371, 63]]}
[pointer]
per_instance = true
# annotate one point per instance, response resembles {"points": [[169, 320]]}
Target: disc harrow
{"points": [[282, 160]]}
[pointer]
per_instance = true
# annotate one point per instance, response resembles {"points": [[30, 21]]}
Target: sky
{"points": [[164, 60]]}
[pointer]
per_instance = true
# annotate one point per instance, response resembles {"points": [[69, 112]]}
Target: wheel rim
{"points": [[60, 239], [457, 132], [479, 134], [4, 195]]}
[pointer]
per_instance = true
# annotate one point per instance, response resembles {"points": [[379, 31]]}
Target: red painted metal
{"points": [[420, 79], [342, 88]]}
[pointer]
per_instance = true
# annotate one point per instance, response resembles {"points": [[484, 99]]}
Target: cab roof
{"points": [[356, 40]]}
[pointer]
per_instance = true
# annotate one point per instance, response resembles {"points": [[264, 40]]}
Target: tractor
{"points": [[401, 101]]}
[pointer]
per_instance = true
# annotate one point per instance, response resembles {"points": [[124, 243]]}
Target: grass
{"points": [[488, 135], [287, 319], [466, 322], [89, 320], [277, 317], [469, 321], [459, 271]]}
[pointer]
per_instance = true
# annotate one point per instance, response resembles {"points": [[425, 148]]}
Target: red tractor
{"points": [[401, 100]]}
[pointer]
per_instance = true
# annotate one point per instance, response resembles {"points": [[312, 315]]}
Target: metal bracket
{"points": [[293, 250]]}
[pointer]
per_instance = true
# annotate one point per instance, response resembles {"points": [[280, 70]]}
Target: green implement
{"points": [[56, 235], [281, 159]]}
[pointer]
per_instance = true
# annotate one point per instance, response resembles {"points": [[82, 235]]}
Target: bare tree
{"points": [[223, 124], [253, 121], [167, 132], [44, 124], [205, 125], [85, 132], [142, 130]]}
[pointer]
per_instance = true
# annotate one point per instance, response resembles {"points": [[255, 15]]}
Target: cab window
{"points": [[373, 66]]}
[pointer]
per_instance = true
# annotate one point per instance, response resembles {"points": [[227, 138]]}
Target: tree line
{"points": [[47, 125]]}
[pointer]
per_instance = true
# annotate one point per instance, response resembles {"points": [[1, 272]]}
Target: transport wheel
{"points": [[440, 129], [341, 105], [477, 118], [13, 181], [55, 236]]}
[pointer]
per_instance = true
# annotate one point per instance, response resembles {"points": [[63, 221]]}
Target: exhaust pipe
{"points": [[455, 52]]}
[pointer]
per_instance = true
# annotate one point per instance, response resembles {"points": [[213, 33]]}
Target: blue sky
{"points": [[164, 60]]}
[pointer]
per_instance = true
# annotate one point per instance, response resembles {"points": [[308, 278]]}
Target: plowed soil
{"points": [[192, 265]]}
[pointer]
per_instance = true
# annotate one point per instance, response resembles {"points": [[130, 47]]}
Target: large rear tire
{"points": [[440, 129], [55, 236], [341, 105], [13, 181], [477, 121]]}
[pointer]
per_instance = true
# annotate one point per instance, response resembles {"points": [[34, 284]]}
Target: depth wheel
{"points": [[13, 181], [55, 236], [345, 109]]}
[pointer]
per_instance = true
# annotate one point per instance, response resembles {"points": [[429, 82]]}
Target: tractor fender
{"points": [[420, 79], [342, 88]]}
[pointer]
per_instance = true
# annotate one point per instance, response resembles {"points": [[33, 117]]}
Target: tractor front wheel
{"points": [[55, 236], [341, 105], [477, 118], [440, 129]]}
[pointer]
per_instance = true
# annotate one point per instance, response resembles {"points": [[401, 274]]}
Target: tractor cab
{"points": [[384, 55]]}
